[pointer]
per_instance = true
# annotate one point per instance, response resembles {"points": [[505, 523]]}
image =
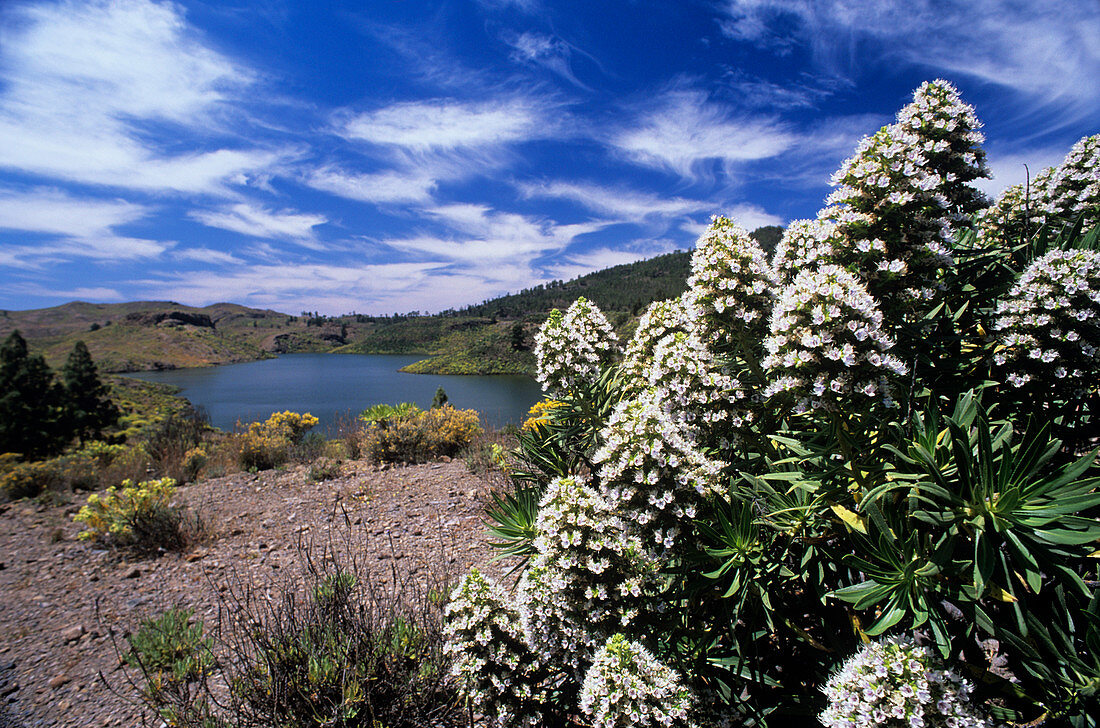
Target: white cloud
{"points": [[549, 52], [751, 217], [1047, 51], [382, 187], [48, 210], [335, 289], [685, 132], [621, 204], [423, 126], [248, 219], [82, 82], [100, 248], [79, 228], [1018, 167], [207, 255]]}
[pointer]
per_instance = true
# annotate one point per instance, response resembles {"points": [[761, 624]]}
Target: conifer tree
{"points": [[439, 399], [31, 422], [88, 406]]}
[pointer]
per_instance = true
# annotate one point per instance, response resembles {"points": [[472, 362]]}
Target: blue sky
{"points": [[392, 155]]}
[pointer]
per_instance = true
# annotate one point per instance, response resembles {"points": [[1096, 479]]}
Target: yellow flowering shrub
{"points": [[539, 414], [420, 436], [140, 514], [66, 472], [267, 444]]}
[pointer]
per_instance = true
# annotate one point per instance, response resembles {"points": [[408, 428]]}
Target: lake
{"points": [[329, 386]]}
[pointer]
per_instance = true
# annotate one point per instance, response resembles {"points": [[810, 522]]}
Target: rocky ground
{"points": [[61, 599]]}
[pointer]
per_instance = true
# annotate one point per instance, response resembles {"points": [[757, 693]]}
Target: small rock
{"points": [[72, 634], [6, 690], [131, 572], [58, 681]]}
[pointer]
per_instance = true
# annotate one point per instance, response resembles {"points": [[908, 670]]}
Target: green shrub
{"points": [[139, 515], [342, 650], [417, 437], [379, 412], [173, 654]]}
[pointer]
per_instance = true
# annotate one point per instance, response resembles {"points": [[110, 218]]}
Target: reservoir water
{"points": [[331, 386]]}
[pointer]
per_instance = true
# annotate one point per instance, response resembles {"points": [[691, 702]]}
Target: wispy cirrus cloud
{"points": [[51, 210], [82, 82], [1045, 51], [442, 124], [75, 228], [688, 134], [545, 51], [478, 235], [388, 187], [620, 204], [259, 222]]}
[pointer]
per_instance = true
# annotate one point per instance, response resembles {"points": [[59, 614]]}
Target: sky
{"points": [[387, 156]]}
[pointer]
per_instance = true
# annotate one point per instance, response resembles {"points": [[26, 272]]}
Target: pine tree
{"points": [[439, 399], [31, 421], [88, 406]]}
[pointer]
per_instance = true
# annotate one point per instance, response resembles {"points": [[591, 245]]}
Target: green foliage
{"points": [[379, 412], [89, 409], [173, 654], [440, 398], [32, 419]]}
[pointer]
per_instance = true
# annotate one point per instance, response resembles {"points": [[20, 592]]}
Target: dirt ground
{"points": [[61, 599]]}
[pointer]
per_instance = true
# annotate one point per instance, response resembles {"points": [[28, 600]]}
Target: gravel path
{"points": [[61, 598]]}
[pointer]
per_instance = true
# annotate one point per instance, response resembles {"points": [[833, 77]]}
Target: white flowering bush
{"points": [[895, 683], [660, 319], [571, 349], [1049, 325], [627, 686], [578, 589], [731, 285], [1056, 196], [734, 548], [1073, 187], [805, 244], [897, 200], [827, 347], [491, 657], [652, 473]]}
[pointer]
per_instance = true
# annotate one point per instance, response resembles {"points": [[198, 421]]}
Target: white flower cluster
{"points": [[731, 284], [660, 319], [898, 198], [947, 132], [827, 346], [805, 244], [572, 348], [491, 658], [651, 473], [1050, 323], [628, 686], [574, 592], [1073, 187], [1057, 195], [697, 390], [897, 683]]}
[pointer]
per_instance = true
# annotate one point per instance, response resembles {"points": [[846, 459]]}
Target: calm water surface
{"points": [[331, 386]]}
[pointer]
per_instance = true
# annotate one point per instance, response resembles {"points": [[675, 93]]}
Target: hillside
{"points": [[492, 337], [144, 335]]}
